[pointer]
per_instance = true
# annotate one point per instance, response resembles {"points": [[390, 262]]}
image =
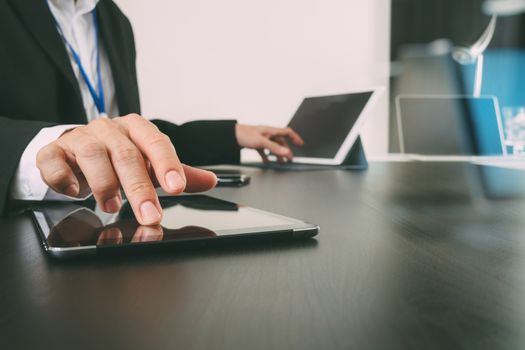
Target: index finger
{"points": [[159, 150], [129, 164]]}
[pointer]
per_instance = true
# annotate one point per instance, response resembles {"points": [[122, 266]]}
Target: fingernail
{"points": [[112, 205], [150, 213], [215, 176], [174, 181], [71, 190]]}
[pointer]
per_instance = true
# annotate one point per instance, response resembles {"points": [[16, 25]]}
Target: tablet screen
{"points": [[325, 122], [185, 218]]}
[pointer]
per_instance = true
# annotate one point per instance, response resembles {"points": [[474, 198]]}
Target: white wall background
{"points": [[255, 60]]}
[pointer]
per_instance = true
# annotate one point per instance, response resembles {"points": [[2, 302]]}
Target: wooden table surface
{"points": [[410, 256]]}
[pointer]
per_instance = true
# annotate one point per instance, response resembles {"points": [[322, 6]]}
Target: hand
{"points": [[109, 153], [267, 137]]}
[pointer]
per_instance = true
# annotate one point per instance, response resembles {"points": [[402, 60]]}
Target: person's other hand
{"points": [[263, 138], [128, 152]]}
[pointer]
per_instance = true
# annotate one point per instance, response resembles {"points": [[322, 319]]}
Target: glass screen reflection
{"points": [[185, 218]]}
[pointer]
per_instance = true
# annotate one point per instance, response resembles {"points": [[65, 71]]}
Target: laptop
{"points": [[329, 126], [450, 127]]}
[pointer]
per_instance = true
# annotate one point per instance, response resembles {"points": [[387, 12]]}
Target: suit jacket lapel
{"points": [[39, 21], [37, 17]]}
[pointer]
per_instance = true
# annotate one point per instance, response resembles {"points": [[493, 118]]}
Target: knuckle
{"points": [[102, 186], [153, 126], [103, 127], [91, 149], [159, 139], [57, 178], [119, 128], [45, 154], [124, 154], [139, 187], [134, 117], [81, 131], [101, 122]]}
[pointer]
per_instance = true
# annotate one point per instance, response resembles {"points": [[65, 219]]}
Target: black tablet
{"points": [[330, 125], [71, 229]]}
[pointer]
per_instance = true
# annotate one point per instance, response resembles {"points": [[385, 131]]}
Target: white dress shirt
{"points": [[75, 18]]}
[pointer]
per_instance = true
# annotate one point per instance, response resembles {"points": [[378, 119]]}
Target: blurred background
{"points": [[255, 60], [424, 37]]}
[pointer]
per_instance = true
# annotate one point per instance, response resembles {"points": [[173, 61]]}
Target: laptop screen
{"points": [[324, 123], [449, 125]]}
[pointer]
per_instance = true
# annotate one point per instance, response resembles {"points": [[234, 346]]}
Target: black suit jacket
{"points": [[38, 87]]}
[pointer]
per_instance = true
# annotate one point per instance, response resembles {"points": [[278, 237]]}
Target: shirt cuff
{"points": [[27, 183]]}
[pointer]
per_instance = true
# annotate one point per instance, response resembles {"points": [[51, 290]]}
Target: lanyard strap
{"points": [[98, 97]]}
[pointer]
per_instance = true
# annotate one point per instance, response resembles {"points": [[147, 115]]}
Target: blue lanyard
{"points": [[98, 98]]}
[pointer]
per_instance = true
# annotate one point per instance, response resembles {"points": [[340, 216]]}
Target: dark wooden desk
{"points": [[410, 256]]}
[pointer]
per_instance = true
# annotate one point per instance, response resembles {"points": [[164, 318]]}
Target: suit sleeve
{"points": [[15, 135], [204, 142]]}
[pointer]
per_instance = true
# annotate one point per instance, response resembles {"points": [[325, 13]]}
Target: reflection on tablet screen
{"points": [[185, 218]]}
